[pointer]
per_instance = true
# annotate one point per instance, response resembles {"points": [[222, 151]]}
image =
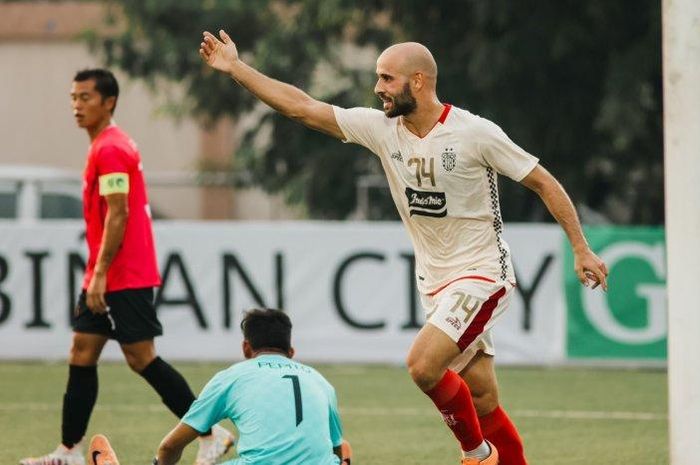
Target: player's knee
{"points": [[76, 355], [81, 353], [136, 362], [139, 355], [485, 402], [425, 376]]}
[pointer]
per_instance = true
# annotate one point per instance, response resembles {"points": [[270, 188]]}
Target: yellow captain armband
{"points": [[114, 183]]}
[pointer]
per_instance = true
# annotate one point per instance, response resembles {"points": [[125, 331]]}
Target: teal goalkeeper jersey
{"points": [[286, 412]]}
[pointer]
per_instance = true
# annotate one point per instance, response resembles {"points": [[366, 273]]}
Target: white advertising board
{"points": [[348, 287]]}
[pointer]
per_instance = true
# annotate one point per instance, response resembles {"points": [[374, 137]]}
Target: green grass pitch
{"points": [[566, 416]]}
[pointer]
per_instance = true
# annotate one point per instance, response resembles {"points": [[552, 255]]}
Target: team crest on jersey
{"points": [[397, 156], [449, 159]]}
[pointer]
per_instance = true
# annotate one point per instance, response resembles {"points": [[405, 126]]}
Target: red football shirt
{"points": [[114, 155]]}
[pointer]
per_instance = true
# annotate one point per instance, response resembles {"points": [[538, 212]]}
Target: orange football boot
{"points": [[101, 452], [346, 452]]}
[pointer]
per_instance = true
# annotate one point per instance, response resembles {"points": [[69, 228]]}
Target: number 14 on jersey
{"points": [[424, 169]]}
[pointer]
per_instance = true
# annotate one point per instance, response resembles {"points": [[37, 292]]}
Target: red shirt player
{"points": [[114, 167], [117, 299]]}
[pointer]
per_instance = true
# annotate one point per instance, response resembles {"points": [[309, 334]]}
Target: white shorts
{"points": [[465, 310]]}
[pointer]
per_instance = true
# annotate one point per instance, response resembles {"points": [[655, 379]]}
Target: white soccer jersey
{"points": [[444, 186]]}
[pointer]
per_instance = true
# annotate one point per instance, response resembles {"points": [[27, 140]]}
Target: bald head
{"points": [[407, 80], [409, 58]]}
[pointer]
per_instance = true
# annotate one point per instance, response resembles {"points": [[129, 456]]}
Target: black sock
{"points": [[78, 401], [171, 386]]}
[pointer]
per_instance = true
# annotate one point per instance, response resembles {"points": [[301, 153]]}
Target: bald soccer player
{"points": [[442, 164]]}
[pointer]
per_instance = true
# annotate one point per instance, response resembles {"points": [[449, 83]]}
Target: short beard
{"points": [[404, 103]]}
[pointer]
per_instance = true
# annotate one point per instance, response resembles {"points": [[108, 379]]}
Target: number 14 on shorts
{"points": [[467, 303]]}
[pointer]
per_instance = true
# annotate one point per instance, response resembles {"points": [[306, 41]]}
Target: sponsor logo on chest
{"points": [[426, 203]]}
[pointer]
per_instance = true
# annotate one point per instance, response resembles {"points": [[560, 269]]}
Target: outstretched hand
{"points": [[219, 54], [591, 270]]}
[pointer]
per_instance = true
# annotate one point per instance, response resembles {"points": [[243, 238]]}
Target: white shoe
{"points": [[61, 456], [214, 446]]}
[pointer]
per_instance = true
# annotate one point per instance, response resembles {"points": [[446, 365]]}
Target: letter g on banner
{"points": [[629, 321], [596, 307]]}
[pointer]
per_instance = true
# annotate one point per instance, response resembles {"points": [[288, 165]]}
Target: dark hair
{"points": [[267, 329], [105, 82]]}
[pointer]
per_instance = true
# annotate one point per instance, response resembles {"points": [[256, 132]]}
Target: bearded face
{"points": [[401, 104]]}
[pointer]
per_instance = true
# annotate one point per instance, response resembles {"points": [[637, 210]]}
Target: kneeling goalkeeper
{"points": [[286, 412]]}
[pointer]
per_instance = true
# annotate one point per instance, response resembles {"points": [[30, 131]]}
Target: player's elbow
{"points": [[117, 222], [165, 446], [551, 191], [299, 114], [304, 111], [296, 112], [542, 182], [122, 215], [168, 449], [118, 215]]}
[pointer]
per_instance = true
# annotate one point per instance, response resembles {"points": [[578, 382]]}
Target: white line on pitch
{"points": [[368, 411], [563, 414], [590, 415], [46, 407]]}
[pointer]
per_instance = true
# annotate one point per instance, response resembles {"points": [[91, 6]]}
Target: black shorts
{"points": [[131, 318]]}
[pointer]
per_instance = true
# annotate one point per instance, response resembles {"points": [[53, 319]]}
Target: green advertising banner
{"points": [[629, 321]]}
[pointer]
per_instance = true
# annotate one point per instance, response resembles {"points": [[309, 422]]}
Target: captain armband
{"points": [[114, 183]]}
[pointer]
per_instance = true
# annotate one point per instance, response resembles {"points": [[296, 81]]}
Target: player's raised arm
{"points": [[290, 101], [588, 267]]}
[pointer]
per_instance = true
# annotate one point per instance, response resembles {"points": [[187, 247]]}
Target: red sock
{"points": [[451, 396], [500, 431]]}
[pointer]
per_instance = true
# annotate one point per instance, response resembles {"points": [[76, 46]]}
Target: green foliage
{"points": [[576, 83], [286, 40]]}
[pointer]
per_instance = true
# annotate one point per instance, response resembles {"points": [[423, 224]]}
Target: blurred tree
{"points": [[289, 40], [576, 83]]}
